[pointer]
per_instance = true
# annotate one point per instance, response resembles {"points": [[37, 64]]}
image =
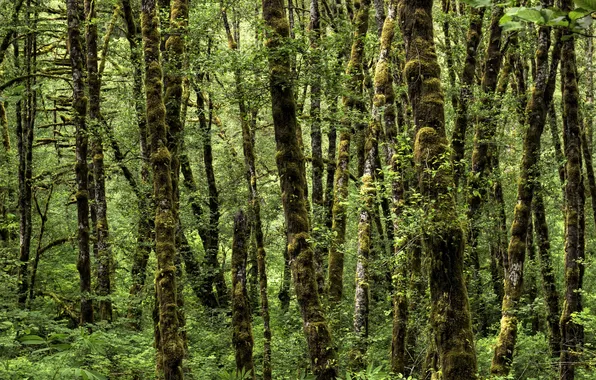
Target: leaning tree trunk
{"points": [[171, 344], [101, 223], [242, 328], [81, 168], [444, 241], [535, 120], [352, 103], [292, 174], [572, 332]]}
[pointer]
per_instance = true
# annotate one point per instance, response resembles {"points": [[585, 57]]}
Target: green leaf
{"points": [[512, 25], [578, 13], [531, 15], [586, 4], [478, 3], [32, 339]]}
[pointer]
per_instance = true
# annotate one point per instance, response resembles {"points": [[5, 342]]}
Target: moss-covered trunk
{"points": [[81, 168], [484, 153], [572, 332], [352, 102], [101, 223], [170, 342], [443, 241], [292, 173], [241, 314], [535, 119], [549, 284], [458, 138]]}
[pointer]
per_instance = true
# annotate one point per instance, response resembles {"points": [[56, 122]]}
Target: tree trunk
{"points": [[82, 195], [572, 332], [535, 120], [352, 102], [444, 240], [292, 174], [170, 340], [549, 284], [104, 256], [483, 154], [241, 315], [458, 139]]}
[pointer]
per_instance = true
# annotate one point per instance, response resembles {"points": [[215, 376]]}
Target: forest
{"points": [[300, 189]]}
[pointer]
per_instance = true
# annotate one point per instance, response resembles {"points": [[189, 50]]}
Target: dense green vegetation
{"points": [[297, 189]]}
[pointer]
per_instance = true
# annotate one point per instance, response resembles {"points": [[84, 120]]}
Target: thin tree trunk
{"points": [[458, 139], [352, 103], [549, 284], [292, 174], [444, 240], [483, 154], [241, 315], [165, 221], [572, 333], [104, 256], [536, 117], [82, 196]]}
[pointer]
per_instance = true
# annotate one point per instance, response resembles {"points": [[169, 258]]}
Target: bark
{"points": [[536, 117], [104, 255], [81, 168], [242, 337], [458, 139], [483, 154], [317, 145], [292, 174], [145, 224], [443, 241], [352, 102], [549, 284], [170, 341], [572, 333], [4, 126], [587, 156], [24, 132]]}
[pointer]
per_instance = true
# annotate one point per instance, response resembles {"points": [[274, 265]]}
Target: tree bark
{"points": [[171, 344], [549, 284], [104, 255], [81, 168], [444, 240], [535, 119], [292, 174], [241, 314], [572, 333], [352, 102]]}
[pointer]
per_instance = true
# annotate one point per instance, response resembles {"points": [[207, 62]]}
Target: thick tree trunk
{"points": [[104, 256], [458, 139], [170, 340], [242, 329], [536, 117], [352, 102], [82, 195], [444, 240], [572, 332], [292, 173]]}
